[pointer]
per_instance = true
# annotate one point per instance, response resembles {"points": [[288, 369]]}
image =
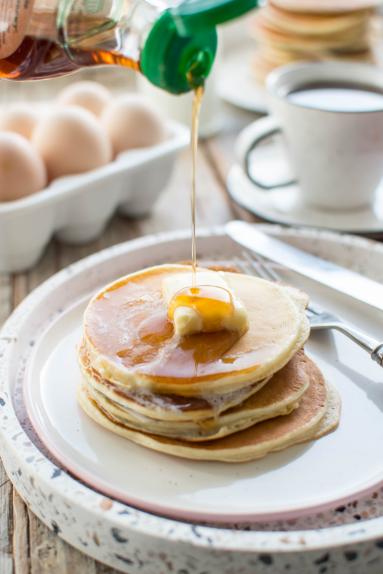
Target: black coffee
{"points": [[339, 97]]}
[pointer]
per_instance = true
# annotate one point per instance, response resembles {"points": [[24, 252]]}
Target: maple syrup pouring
{"points": [[210, 301], [196, 109]]}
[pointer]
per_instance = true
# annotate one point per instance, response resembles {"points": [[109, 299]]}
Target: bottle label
{"points": [[13, 24]]}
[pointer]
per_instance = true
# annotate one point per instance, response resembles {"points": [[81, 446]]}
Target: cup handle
{"points": [[248, 140]]}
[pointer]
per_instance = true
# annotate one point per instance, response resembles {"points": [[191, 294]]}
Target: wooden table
{"points": [[27, 546]]}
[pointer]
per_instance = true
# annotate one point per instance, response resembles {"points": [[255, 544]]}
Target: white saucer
{"points": [[282, 205], [237, 85], [299, 480]]}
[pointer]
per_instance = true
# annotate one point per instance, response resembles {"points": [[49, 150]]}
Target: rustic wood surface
{"points": [[27, 546]]}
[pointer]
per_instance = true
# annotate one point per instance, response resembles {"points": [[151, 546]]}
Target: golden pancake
{"points": [[288, 31], [131, 342], [309, 24], [279, 397], [165, 407], [326, 6], [352, 40], [266, 60], [275, 57], [317, 414]]}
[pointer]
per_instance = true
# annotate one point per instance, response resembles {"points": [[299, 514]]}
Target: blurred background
{"points": [[278, 33]]}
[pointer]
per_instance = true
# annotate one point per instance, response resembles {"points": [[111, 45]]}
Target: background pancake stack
{"points": [[288, 31], [236, 401]]}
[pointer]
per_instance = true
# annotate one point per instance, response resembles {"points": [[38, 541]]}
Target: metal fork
{"points": [[319, 318]]}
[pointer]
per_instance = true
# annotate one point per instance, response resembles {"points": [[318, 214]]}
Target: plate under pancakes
{"points": [[130, 341], [316, 415], [278, 397], [338, 462]]}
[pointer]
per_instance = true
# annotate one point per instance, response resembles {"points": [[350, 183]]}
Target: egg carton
{"points": [[76, 208]]}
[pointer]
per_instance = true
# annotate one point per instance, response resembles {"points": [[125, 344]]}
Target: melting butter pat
{"points": [[207, 307]]}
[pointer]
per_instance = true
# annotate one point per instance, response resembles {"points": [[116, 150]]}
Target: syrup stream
{"points": [[197, 102]]}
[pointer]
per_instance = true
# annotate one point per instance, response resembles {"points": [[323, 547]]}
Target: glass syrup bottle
{"points": [[173, 43]]}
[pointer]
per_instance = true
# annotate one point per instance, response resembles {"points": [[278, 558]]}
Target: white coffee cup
{"points": [[336, 156]]}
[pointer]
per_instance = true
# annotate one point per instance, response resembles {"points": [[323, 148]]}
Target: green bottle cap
{"points": [[180, 49], [193, 15], [177, 63]]}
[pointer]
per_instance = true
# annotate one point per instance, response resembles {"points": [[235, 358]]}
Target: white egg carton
{"points": [[77, 208]]}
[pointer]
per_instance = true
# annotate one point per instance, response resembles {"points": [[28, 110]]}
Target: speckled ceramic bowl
{"points": [[347, 539]]}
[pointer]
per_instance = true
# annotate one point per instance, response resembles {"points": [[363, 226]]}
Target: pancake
{"points": [[131, 342], [265, 61], [279, 397], [165, 407], [353, 39], [317, 414], [288, 31], [311, 24], [326, 6], [273, 57]]}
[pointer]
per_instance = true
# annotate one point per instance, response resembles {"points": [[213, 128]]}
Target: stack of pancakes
{"points": [[288, 31], [208, 396]]}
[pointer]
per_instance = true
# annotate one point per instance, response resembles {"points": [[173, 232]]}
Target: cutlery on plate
{"points": [[338, 278], [318, 317]]}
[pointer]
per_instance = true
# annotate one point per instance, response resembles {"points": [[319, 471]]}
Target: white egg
{"points": [[19, 118], [132, 122], [70, 141], [89, 95], [22, 171]]}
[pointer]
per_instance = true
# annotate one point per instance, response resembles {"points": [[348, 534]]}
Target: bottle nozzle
{"points": [[180, 49], [198, 68], [177, 63]]}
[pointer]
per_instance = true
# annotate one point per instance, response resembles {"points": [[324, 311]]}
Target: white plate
{"points": [[237, 85], [132, 540], [304, 478], [282, 205]]}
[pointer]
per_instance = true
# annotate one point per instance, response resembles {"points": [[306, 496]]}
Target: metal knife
{"points": [[325, 272]]}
